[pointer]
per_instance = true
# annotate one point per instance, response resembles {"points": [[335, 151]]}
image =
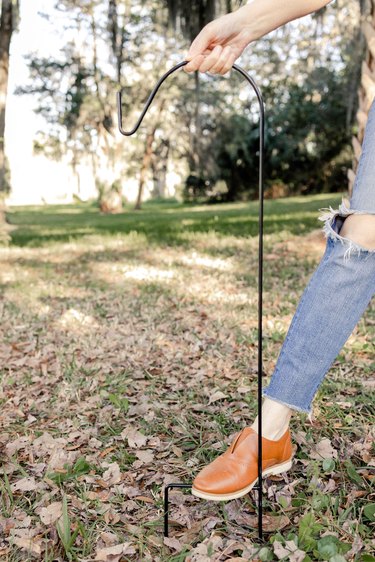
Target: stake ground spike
{"points": [[253, 84]]}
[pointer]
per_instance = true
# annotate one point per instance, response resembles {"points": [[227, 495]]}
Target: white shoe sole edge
{"points": [[276, 469]]}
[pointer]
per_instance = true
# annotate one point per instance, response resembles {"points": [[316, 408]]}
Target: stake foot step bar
{"points": [[188, 486]]}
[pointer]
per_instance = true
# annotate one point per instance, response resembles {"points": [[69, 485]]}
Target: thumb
{"points": [[200, 43]]}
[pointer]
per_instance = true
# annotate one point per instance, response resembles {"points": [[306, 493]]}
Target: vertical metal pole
{"points": [[260, 268], [166, 510], [260, 288], [260, 316]]}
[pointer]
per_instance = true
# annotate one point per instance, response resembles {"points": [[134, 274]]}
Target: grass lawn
{"points": [[128, 360], [169, 223]]}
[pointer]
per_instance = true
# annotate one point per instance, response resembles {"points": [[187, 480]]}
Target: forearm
{"points": [[263, 16]]}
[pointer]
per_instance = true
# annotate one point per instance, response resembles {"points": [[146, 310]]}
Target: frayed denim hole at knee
{"points": [[333, 220]]}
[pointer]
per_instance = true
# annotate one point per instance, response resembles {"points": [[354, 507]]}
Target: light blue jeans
{"points": [[338, 293]]}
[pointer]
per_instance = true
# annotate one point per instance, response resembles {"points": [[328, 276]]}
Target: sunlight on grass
{"points": [[206, 261], [142, 273], [73, 318]]}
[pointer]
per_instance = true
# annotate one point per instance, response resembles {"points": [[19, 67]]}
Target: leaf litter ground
{"points": [[126, 366]]}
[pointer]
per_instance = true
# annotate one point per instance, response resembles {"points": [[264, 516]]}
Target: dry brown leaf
{"points": [[217, 395], [144, 499], [50, 513], [323, 450], [114, 553], [28, 544], [330, 486], [111, 517], [112, 475], [290, 550], [244, 389], [177, 451], [145, 456], [173, 543], [369, 383], [109, 538], [17, 444], [26, 484], [273, 522], [135, 438], [205, 551], [357, 545]]}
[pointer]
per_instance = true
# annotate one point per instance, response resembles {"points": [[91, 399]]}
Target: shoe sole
{"points": [[276, 469]]}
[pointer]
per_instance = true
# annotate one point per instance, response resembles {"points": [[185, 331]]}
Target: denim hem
{"points": [[331, 229], [293, 406]]}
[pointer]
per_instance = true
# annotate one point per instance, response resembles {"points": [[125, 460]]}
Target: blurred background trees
{"points": [[202, 130]]}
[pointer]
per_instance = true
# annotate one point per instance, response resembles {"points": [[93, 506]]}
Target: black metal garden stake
{"points": [[258, 486]]}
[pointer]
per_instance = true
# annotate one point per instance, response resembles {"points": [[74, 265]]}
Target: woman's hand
{"points": [[219, 44], [222, 40]]}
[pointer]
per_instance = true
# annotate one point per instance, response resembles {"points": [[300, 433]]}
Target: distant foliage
{"points": [[203, 128]]}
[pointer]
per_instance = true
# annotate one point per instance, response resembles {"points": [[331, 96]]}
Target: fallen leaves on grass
{"points": [[126, 368]]}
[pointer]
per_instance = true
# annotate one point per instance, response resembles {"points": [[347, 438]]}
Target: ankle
{"points": [[274, 433], [275, 419]]}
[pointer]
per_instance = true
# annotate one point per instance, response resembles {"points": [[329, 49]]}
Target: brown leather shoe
{"points": [[234, 473]]}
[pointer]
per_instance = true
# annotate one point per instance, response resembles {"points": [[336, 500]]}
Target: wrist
{"points": [[253, 23]]}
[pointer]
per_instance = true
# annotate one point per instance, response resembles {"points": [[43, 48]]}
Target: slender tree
{"points": [[8, 23]]}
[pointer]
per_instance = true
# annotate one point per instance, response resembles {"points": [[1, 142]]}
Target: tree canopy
{"points": [[203, 128]]}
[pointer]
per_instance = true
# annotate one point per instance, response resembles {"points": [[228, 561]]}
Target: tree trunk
{"points": [[6, 30], [366, 91], [117, 28], [146, 161], [7, 20], [159, 166]]}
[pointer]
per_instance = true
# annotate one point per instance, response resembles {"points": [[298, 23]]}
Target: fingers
{"points": [[228, 63], [221, 61], [204, 61], [218, 61], [194, 64], [211, 59], [198, 47]]}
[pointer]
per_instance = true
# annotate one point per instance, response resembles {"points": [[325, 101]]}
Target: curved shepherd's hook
{"points": [[260, 263]]}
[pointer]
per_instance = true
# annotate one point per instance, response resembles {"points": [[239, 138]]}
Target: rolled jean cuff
{"points": [[333, 221], [269, 395]]}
